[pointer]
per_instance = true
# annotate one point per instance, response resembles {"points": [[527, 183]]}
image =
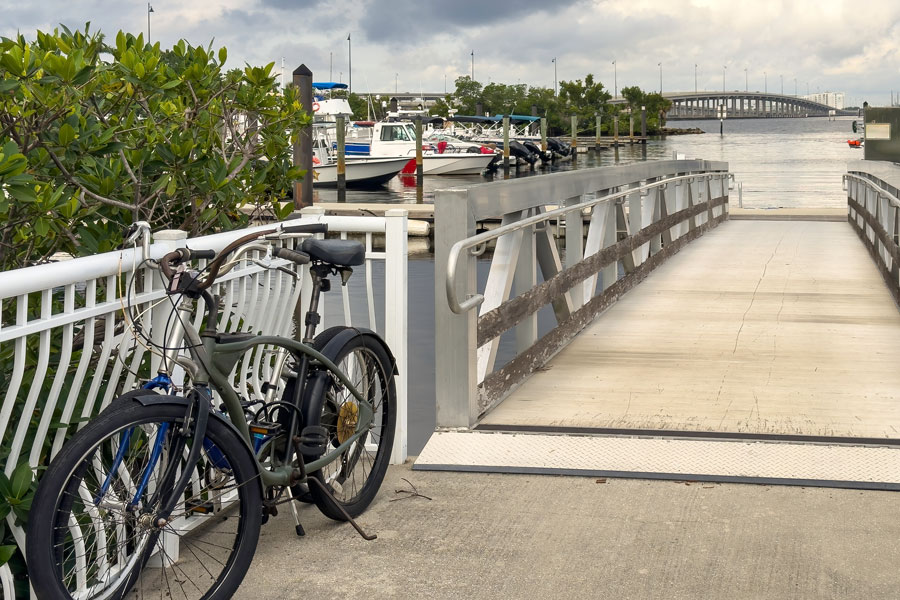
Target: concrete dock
{"points": [[496, 536]]}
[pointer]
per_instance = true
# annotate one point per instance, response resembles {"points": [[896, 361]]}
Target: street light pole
{"points": [[349, 67], [473, 65], [660, 78], [555, 85], [724, 68], [746, 84], [695, 78], [615, 82], [149, 10], [766, 88]]}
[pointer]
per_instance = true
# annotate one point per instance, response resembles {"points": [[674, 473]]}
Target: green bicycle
{"points": [[165, 493]]}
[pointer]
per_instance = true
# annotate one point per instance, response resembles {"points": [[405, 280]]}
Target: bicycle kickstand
{"points": [[324, 488]]}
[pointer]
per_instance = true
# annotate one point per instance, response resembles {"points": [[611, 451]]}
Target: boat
{"points": [[360, 171], [398, 138]]}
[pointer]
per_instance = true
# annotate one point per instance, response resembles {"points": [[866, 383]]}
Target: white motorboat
{"points": [[360, 171], [397, 138]]}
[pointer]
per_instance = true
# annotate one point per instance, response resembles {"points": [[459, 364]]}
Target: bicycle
{"points": [[155, 467]]}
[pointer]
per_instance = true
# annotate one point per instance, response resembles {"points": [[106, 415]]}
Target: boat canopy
{"points": [[329, 85], [494, 119]]}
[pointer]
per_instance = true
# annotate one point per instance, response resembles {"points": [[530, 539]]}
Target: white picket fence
{"points": [[73, 349]]}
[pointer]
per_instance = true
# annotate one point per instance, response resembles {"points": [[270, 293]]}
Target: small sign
{"points": [[878, 131]]}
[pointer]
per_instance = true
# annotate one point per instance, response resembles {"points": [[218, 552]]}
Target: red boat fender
{"points": [[486, 150], [441, 146], [409, 167]]}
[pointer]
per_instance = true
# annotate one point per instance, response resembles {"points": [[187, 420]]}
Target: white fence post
{"points": [[395, 317]]}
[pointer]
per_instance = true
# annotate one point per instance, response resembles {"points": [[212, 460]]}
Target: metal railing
{"points": [[873, 209], [615, 225], [70, 349]]}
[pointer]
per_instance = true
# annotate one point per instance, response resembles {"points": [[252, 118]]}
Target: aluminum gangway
{"points": [[664, 339]]}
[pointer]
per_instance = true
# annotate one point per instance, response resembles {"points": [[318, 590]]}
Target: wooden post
{"points": [[303, 190], [544, 134], [630, 128], [574, 120], [419, 151], [341, 160], [506, 144], [644, 124], [597, 144]]}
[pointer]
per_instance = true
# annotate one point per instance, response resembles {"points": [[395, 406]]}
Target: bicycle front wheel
{"points": [[354, 477], [94, 533]]}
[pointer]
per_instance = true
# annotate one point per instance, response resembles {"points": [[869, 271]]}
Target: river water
{"points": [[780, 163]]}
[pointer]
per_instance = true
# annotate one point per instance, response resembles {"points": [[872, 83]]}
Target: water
{"points": [[781, 162]]}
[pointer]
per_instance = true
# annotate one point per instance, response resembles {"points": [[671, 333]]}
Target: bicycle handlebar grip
{"points": [[301, 258], [208, 254], [173, 259], [310, 228]]}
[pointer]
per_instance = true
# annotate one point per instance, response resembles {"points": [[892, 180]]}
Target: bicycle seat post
{"points": [[319, 284]]}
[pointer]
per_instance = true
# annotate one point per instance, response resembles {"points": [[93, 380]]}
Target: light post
{"points": [[349, 67], [746, 84], [149, 10], [473, 65], [615, 82], [766, 76], [555, 90], [660, 77], [695, 78], [724, 68]]}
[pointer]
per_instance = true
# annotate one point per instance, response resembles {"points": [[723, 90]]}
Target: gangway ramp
{"points": [[764, 351]]}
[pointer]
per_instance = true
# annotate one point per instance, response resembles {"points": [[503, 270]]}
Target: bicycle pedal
{"points": [[199, 507], [313, 440]]}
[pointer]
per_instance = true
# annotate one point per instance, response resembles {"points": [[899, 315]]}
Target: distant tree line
{"points": [[583, 98]]}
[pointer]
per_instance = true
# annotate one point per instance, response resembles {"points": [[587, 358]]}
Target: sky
{"points": [[421, 45]]}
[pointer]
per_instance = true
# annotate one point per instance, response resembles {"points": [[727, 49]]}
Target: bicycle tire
{"points": [[355, 477], [217, 522]]}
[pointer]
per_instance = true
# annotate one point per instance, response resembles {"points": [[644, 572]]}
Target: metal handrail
{"points": [[893, 199], [482, 238]]}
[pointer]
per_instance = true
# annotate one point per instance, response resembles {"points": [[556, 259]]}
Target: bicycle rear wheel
{"points": [[94, 533], [355, 476]]}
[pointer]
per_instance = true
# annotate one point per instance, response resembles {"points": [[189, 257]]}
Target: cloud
{"points": [[839, 45]]}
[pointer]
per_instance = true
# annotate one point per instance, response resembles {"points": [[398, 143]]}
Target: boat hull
{"points": [[360, 172]]}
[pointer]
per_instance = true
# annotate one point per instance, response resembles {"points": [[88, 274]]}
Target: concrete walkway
{"points": [[522, 536]]}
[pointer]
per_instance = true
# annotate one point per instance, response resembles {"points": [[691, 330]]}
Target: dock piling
{"points": [[341, 160], [303, 190], [506, 144], [419, 173], [574, 120], [544, 134], [597, 142]]}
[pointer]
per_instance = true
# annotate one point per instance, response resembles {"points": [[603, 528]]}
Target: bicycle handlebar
{"points": [[176, 257]]}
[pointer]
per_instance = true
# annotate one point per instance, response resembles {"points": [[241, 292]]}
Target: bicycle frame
{"points": [[203, 370]]}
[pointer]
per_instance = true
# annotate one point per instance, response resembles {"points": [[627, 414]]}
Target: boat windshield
{"points": [[395, 133]]}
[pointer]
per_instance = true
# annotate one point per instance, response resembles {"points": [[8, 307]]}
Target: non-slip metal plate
{"points": [[828, 465]]}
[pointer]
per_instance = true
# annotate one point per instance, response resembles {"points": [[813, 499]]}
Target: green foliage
{"points": [[657, 106], [467, 95], [94, 136]]}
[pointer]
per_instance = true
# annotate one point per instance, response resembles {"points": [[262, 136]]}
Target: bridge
{"points": [[742, 105], [678, 338]]}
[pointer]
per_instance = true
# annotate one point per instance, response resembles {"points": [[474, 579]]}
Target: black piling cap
{"points": [[302, 70]]}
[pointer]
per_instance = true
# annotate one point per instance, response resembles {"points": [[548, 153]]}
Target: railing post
{"points": [[159, 317], [395, 319], [455, 335]]}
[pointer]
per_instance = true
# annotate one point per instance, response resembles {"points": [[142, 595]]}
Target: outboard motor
{"points": [[558, 147], [518, 150], [536, 150]]}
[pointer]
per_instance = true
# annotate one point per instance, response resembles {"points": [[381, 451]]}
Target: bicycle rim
{"points": [[355, 476], [107, 539]]}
